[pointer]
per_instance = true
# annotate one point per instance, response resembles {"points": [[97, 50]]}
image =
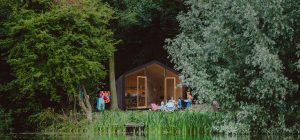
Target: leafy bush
{"points": [[244, 54], [227, 123], [246, 121], [5, 120], [45, 118]]}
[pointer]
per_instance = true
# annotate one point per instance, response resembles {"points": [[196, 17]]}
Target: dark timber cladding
{"points": [[152, 82]]}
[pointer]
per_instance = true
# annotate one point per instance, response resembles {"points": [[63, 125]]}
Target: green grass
{"points": [[156, 123]]}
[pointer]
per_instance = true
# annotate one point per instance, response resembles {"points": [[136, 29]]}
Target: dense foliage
{"points": [[245, 54], [5, 120], [55, 48], [52, 47]]}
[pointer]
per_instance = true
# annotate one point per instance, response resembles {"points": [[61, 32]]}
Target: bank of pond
{"points": [[181, 123], [154, 123], [39, 136]]}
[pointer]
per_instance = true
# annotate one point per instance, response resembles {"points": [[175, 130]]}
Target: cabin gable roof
{"points": [[148, 64]]}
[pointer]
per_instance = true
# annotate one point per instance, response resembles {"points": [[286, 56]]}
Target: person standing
{"points": [[100, 101], [190, 99]]}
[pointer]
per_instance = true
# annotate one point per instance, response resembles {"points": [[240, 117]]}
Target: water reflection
{"points": [[95, 137]]}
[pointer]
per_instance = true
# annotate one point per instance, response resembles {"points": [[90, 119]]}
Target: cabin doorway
{"points": [[141, 91], [170, 88]]}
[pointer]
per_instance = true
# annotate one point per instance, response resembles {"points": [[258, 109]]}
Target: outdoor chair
{"points": [[154, 107]]}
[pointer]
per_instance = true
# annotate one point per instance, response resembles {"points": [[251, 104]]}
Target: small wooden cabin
{"points": [[152, 82]]}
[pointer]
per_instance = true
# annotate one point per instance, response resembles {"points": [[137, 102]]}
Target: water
{"points": [[94, 137]]}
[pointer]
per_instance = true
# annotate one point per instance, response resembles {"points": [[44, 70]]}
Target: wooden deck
{"points": [[139, 108]]}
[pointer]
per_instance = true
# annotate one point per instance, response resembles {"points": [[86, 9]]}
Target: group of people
{"points": [[172, 104]]}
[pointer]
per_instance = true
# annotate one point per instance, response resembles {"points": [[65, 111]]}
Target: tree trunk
{"points": [[75, 111], [114, 99], [85, 104]]}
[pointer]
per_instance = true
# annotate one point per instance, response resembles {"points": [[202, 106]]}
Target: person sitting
{"points": [[162, 106], [179, 103], [172, 100], [215, 105], [170, 106]]}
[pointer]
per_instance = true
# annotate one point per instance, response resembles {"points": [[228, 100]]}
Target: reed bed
{"points": [[156, 123]]}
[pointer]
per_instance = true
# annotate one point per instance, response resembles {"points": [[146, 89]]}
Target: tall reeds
{"points": [[178, 123], [156, 123]]}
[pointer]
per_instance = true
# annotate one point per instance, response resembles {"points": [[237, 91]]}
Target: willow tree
{"points": [[244, 54], [58, 47]]}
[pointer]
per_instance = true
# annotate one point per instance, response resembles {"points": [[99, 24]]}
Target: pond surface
{"points": [[94, 137]]}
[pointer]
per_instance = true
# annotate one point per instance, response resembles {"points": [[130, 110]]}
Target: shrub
{"points": [[5, 120], [44, 119]]}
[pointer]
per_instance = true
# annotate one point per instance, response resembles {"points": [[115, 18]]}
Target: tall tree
{"points": [[57, 46], [112, 83], [242, 53]]}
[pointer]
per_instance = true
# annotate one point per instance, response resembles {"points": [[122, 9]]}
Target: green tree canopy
{"points": [[242, 53], [56, 45]]}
